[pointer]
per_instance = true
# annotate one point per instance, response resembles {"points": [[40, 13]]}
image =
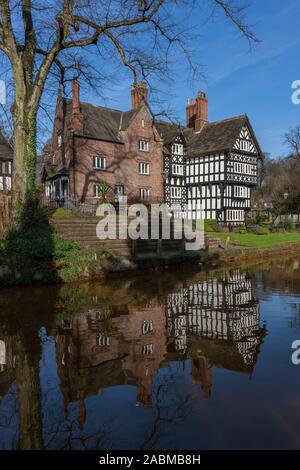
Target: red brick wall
{"points": [[122, 163]]}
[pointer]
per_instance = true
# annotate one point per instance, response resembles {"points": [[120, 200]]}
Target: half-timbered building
{"points": [[217, 162], [201, 170], [223, 309], [6, 162]]}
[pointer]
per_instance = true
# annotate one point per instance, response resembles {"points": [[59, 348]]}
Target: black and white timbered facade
{"points": [[218, 169], [6, 164], [223, 309]]}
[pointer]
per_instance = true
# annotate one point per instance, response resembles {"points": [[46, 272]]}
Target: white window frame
{"points": [[144, 168], [177, 149], [175, 192], [144, 194], [99, 162], [178, 169], [245, 145], [143, 145], [96, 190], [8, 183]]}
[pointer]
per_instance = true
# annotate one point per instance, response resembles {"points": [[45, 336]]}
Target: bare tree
{"points": [[39, 38], [292, 140]]}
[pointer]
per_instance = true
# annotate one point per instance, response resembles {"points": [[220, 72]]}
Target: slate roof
{"points": [[6, 150], [106, 123], [214, 137], [51, 171], [102, 123]]}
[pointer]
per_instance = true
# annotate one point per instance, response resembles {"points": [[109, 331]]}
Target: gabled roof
{"points": [[52, 171], [102, 123], [214, 137], [6, 150]]}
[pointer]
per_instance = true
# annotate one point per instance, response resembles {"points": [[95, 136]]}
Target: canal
{"points": [[172, 360]]}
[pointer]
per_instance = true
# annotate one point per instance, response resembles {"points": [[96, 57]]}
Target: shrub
{"points": [[258, 229], [211, 225], [288, 224], [61, 213]]}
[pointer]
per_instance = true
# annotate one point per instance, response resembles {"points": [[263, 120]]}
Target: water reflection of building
{"points": [[98, 349], [7, 364], [216, 322], [213, 322]]}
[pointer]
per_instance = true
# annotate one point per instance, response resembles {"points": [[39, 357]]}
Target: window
{"points": [[144, 168], [8, 183], [99, 163], [177, 149], [144, 194], [66, 324], [147, 350], [245, 145], [177, 169], [59, 141], [176, 192], [147, 326], [119, 190], [97, 190], [102, 340], [1, 183], [144, 145], [9, 168], [143, 123]]}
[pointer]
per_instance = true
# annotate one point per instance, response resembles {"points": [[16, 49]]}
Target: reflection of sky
{"points": [[255, 411], [9, 419], [260, 410]]}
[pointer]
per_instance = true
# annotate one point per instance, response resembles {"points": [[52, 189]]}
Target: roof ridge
{"points": [[68, 100], [233, 118]]}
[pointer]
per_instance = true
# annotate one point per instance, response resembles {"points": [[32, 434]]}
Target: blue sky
{"points": [[257, 82]]}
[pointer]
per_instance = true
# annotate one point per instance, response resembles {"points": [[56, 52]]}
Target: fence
{"points": [[281, 218]]}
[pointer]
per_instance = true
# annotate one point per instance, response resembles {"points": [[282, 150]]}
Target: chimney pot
{"points": [[77, 117], [139, 94], [197, 112]]}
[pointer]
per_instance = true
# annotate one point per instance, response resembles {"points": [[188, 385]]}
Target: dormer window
{"points": [[144, 145], [177, 149]]}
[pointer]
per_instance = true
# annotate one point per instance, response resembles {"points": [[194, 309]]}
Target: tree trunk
{"points": [[29, 394], [24, 180]]}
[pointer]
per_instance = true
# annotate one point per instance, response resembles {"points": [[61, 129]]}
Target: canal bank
{"points": [[43, 256]]}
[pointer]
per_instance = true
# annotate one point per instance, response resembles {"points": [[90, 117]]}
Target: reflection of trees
{"points": [[171, 406], [29, 394], [211, 322]]}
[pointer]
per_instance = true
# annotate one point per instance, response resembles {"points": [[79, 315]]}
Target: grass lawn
{"points": [[259, 241]]}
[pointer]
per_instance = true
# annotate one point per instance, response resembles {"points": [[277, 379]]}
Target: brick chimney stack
{"points": [[197, 112], [77, 117], [139, 94]]}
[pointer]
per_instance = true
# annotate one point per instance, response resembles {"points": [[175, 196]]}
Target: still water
{"points": [[176, 360]]}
